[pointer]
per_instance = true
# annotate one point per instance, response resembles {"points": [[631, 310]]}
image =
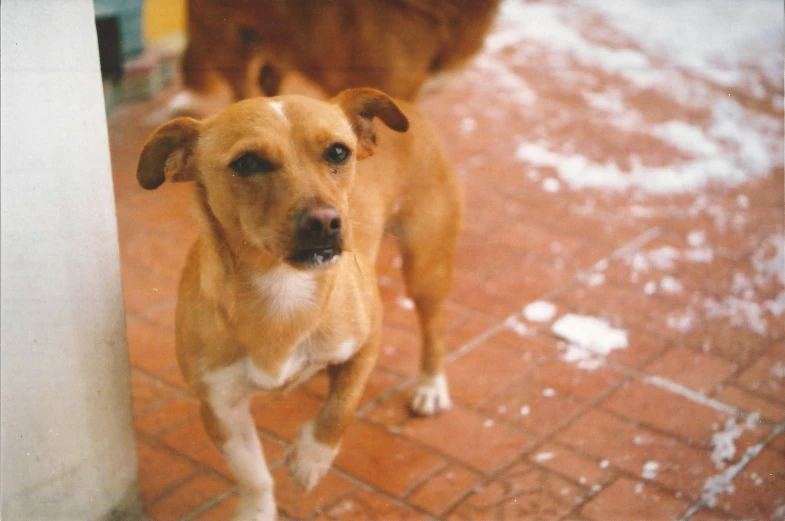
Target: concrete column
{"points": [[67, 449]]}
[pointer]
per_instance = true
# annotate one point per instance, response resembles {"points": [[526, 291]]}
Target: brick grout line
{"points": [[731, 472], [427, 477], [540, 440], [371, 488], [210, 503], [198, 465]]}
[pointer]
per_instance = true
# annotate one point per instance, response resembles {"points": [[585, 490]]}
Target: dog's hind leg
{"points": [[428, 239], [228, 422]]}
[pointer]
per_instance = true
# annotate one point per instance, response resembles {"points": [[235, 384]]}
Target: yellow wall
{"points": [[163, 19]]}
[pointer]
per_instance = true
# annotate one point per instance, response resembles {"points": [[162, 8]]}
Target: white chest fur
{"points": [[305, 360], [286, 289]]}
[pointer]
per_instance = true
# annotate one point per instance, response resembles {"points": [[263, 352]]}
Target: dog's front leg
{"points": [[318, 441], [230, 425]]}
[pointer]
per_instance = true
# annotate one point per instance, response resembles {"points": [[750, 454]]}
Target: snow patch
{"points": [[516, 325], [539, 311], [650, 469], [544, 456], [590, 333]]}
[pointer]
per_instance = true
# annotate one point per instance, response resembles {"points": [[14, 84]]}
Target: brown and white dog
{"points": [[393, 46], [292, 196]]}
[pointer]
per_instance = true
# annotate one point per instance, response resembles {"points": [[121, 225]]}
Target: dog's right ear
{"points": [[361, 106], [167, 153]]}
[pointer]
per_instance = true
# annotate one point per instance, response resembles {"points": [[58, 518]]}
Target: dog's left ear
{"points": [[361, 106], [167, 153]]}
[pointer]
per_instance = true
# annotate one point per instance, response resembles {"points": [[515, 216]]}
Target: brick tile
{"points": [[547, 245], [569, 379], [712, 338], [625, 500], [374, 455], [391, 412], [170, 203], [475, 254], [298, 504], [150, 348], [483, 370], [364, 505], [530, 279], [595, 227], [284, 415], [147, 392], [757, 490], [166, 415], [163, 314], [580, 469], [466, 330], [753, 403], [778, 443], [705, 514], [400, 351], [159, 470], [665, 410], [191, 440], [539, 349], [175, 378], [163, 254], [220, 512], [443, 489], [624, 306], [681, 468], [767, 375], [187, 497], [693, 370], [456, 433], [143, 289], [536, 408], [642, 346], [522, 493]]}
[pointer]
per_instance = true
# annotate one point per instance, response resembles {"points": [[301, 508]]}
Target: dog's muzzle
{"points": [[319, 238]]}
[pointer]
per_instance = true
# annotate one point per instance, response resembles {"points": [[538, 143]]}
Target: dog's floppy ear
{"points": [[361, 106], [167, 153]]}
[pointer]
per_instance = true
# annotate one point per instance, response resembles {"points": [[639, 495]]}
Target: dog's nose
{"points": [[320, 222]]}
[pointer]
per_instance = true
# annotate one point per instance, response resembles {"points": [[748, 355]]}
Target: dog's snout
{"points": [[320, 222]]}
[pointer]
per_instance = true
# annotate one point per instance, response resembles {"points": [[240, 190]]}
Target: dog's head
{"points": [[274, 174]]}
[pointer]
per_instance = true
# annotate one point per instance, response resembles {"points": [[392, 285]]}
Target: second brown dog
{"points": [[393, 46]]}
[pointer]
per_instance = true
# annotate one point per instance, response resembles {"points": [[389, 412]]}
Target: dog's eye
{"points": [[251, 164], [337, 154]]}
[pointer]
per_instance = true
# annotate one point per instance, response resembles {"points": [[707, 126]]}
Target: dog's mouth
{"points": [[315, 257]]}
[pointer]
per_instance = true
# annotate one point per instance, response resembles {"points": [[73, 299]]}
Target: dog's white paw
{"points": [[430, 395], [256, 507], [309, 460]]}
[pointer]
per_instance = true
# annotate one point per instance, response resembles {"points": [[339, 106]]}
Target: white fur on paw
{"points": [[256, 508], [309, 460], [430, 395]]}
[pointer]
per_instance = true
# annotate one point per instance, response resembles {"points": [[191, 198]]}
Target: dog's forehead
{"points": [[296, 116]]}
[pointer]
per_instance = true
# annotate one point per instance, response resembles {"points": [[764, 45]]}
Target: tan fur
{"points": [[247, 318], [394, 46]]}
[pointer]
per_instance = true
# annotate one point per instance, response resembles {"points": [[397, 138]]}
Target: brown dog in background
{"points": [[391, 45], [293, 196]]}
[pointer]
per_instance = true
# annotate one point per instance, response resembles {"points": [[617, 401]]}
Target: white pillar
{"points": [[67, 449]]}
